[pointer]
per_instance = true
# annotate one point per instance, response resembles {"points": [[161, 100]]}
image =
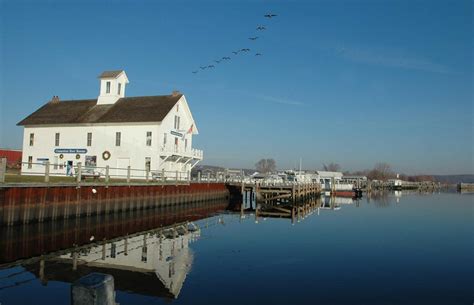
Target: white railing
{"points": [[197, 153], [191, 153], [263, 182], [48, 172]]}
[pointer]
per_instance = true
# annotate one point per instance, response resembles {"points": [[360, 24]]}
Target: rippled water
{"points": [[390, 249]]}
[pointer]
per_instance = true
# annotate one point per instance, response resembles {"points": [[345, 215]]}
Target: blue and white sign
{"points": [[175, 133], [70, 151]]}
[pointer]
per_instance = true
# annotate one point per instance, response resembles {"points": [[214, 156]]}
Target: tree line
{"points": [[380, 171]]}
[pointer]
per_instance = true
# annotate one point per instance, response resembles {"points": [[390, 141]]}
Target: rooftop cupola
{"points": [[112, 86]]}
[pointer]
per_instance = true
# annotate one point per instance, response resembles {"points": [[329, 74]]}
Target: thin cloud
{"points": [[390, 58], [279, 100], [266, 98]]}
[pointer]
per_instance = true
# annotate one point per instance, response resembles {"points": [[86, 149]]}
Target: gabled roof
{"points": [[111, 74], [125, 110]]}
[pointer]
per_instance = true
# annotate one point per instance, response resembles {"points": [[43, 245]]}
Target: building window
{"points": [[119, 88], [185, 144], [56, 139], [118, 136], [177, 107], [107, 87], [32, 139], [148, 138], [89, 139], [148, 164], [176, 122], [164, 140], [30, 162], [56, 161], [176, 144]]}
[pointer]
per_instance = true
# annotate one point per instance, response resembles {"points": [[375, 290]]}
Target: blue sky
{"points": [[354, 82]]}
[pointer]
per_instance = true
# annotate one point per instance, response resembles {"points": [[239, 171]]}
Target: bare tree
{"points": [[332, 167], [266, 166], [381, 171]]}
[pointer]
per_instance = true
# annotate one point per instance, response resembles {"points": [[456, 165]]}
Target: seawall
{"points": [[23, 205]]}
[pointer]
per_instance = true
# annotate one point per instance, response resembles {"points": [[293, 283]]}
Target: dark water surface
{"points": [[392, 249]]}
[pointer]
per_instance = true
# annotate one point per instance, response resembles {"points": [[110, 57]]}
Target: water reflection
{"points": [[154, 263], [150, 253]]}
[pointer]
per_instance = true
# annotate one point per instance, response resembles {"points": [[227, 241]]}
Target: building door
{"points": [[122, 165], [69, 168]]}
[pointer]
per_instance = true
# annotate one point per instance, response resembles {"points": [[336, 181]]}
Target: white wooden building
{"points": [[146, 133], [326, 178]]}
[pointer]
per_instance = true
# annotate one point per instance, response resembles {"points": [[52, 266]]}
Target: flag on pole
{"points": [[190, 130]]}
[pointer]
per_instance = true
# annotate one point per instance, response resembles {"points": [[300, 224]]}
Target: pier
{"points": [[266, 193], [281, 200]]}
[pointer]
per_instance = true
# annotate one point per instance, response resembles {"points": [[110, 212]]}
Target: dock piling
{"points": [[46, 172], [128, 174], [107, 175], [3, 169], [79, 173]]}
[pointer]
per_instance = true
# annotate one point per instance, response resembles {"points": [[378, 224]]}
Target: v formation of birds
{"points": [[236, 52]]}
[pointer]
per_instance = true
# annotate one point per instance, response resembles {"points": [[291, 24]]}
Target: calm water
{"points": [[393, 249]]}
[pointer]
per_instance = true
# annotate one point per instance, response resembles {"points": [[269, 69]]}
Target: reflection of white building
{"points": [[166, 257], [145, 132]]}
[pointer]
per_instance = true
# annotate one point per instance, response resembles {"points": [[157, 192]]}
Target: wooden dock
{"points": [[278, 200], [276, 192]]}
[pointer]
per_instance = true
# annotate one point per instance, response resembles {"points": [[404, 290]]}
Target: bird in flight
{"points": [[202, 68], [270, 15], [210, 66], [261, 28], [258, 54], [235, 52], [245, 50], [217, 61], [253, 38], [225, 58], [194, 72]]}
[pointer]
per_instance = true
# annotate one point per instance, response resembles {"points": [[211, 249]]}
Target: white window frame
{"points": [[32, 139], [107, 87], [118, 138], [89, 139], [176, 122], [148, 138], [57, 138]]}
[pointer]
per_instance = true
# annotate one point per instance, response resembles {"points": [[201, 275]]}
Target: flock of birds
{"points": [[237, 52]]}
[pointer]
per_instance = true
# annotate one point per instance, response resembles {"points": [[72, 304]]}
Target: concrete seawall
{"points": [[22, 205]]}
